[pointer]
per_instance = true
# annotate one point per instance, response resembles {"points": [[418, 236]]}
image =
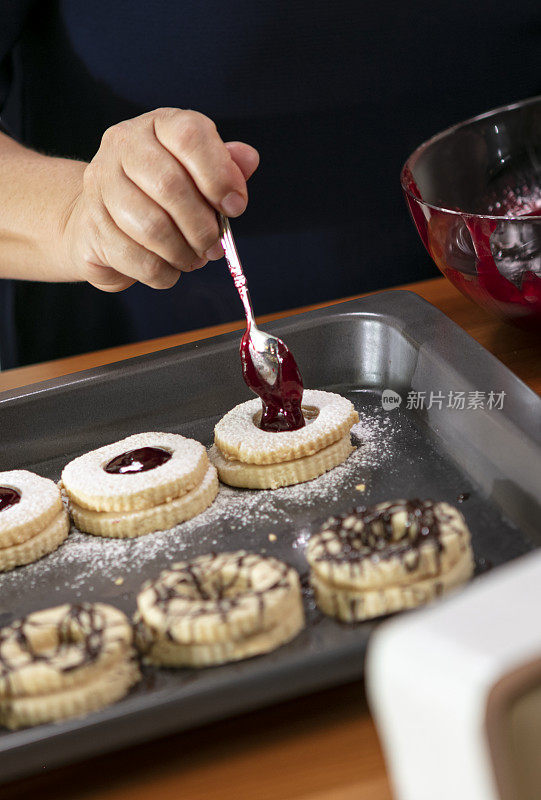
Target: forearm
{"points": [[37, 195]]}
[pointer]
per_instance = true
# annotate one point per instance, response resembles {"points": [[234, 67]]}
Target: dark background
{"points": [[334, 95]]}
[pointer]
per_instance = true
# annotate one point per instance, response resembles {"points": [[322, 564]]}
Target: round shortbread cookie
{"points": [[238, 436], [395, 542], [113, 685], [39, 504], [173, 654], [89, 486], [117, 524], [355, 606], [38, 546], [59, 647], [219, 607], [285, 473], [386, 556], [64, 661]]}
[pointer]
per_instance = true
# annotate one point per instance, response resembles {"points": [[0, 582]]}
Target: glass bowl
{"points": [[474, 192]]}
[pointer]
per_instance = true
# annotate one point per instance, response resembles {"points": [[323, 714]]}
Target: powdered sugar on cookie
{"points": [[90, 486], [238, 437]]}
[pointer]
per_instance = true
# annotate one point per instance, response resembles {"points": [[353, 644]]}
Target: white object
{"points": [[455, 690]]}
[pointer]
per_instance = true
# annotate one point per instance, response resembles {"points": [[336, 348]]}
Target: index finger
{"points": [[193, 140]]}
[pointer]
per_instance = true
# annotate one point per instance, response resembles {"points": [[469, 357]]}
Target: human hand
{"points": [[146, 209]]}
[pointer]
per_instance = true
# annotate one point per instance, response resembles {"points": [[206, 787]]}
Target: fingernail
{"points": [[199, 263], [215, 252], [233, 204]]}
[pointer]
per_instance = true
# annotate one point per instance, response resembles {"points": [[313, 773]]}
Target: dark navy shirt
{"points": [[333, 94]]}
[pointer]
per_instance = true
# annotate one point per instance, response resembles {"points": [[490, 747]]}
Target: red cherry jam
{"points": [[140, 460], [281, 401], [8, 497]]}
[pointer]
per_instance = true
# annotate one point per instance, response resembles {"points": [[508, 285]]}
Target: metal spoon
{"points": [[263, 346]]}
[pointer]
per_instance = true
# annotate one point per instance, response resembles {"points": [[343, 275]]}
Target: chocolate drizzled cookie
{"points": [[395, 555], [63, 662], [218, 608]]}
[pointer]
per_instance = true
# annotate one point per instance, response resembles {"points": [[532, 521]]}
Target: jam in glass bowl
{"points": [[474, 192]]}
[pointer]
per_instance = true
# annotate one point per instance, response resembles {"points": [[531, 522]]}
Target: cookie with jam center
{"points": [[247, 456], [140, 484], [33, 520]]}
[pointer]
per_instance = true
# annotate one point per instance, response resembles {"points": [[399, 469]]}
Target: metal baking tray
{"points": [[392, 341]]}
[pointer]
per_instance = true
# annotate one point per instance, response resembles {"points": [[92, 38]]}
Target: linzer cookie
{"points": [[247, 456], [33, 521], [218, 608], [64, 662], [144, 483], [389, 557]]}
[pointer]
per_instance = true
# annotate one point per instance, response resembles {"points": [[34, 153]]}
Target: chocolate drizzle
{"points": [[8, 497], [87, 621], [140, 460], [82, 625], [370, 533], [212, 591]]}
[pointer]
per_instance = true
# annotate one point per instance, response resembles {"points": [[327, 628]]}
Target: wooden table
{"points": [[320, 747]]}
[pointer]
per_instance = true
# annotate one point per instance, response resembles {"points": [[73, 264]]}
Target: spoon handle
{"points": [[235, 267]]}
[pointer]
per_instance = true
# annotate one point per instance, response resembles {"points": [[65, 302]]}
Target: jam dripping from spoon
{"points": [[268, 366], [281, 400]]}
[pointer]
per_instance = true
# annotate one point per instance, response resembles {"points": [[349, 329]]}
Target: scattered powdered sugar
{"points": [[92, 566]]}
